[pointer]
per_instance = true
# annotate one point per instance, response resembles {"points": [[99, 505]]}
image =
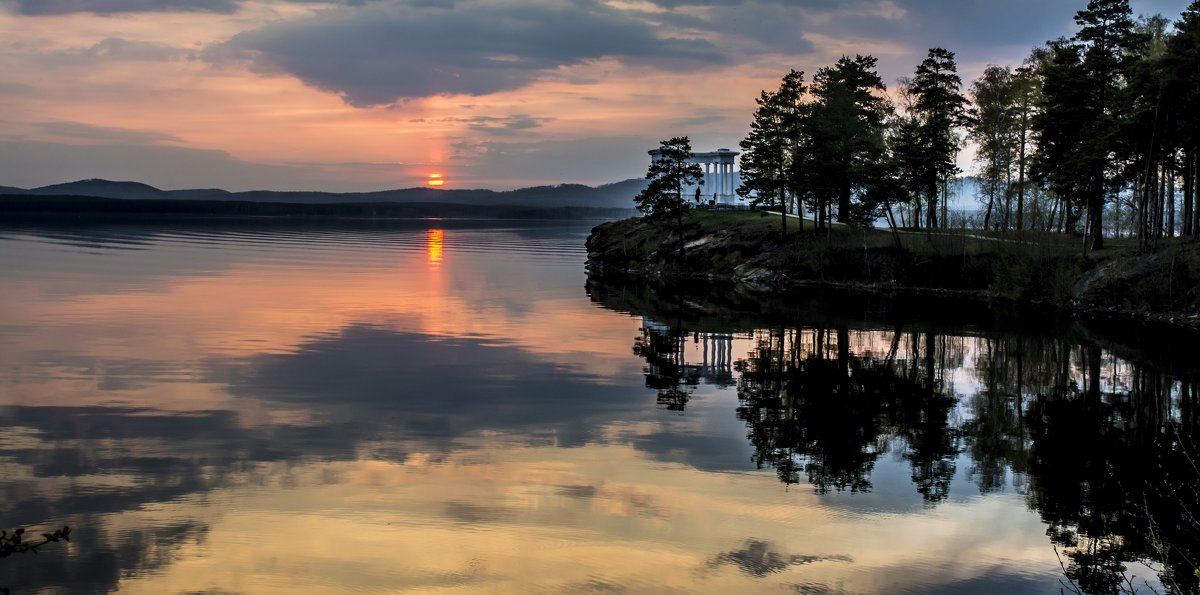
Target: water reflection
{"points": [[1101, 446], [384, 383], [214, 426], [813, 408], [668, 370], [434, 239], [760, 558], [232, 361]]}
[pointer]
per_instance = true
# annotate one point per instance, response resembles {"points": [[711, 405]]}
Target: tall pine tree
{"points": [[942, 108], [1059, 128], [1182, 65], [1107, 41], [846, 126], [668, 173], [774, 149]]}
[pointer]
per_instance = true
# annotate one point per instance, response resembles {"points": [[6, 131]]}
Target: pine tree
{"points": [[1107, 41], [773, 150], [846, 126], [668, 173], [1059, 126], [1182, 66], [942, 107], [1147, 137], [906, 154], [763, 159]]}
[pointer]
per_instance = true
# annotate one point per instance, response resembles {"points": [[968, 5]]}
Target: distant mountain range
{"points": [[107, 200], [618, 195]]}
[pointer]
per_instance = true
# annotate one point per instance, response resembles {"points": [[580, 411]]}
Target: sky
{"points": [[360, 95]]}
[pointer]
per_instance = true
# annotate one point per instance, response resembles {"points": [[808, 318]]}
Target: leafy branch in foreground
{"points": [[15, 543]]}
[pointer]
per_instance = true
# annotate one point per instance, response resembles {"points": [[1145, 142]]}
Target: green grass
{"points": [[758, 225]]}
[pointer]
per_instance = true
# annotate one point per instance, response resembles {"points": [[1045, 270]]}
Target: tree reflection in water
{"points": [[1112, 467], [667, 370], [1097, 436], [813, 407]]}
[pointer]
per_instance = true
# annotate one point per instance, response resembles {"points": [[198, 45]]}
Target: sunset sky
{"points": [[377, 94]]}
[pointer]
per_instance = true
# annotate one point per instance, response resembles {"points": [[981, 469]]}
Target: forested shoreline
{"points": [[1087, 155], [1094, 135]]}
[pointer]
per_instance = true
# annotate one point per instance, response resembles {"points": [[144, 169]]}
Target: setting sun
{"points": [[435, 180]]}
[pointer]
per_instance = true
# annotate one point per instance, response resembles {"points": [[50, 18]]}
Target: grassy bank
{"points": [[748, 248]]}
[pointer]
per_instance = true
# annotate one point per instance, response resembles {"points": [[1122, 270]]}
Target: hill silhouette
{"points": [[100, 188], [85, 200], [617, 195]]}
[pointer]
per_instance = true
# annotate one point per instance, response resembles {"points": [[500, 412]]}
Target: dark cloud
{"points": [[502, 125], [78, 131], [14, 88], [51, 7], [703, 118], [979, 31], [747, 28], [125, 49], [106, 7], [378, 54]]}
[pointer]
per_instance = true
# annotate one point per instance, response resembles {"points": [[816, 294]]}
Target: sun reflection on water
{"points": [[433, 245]]}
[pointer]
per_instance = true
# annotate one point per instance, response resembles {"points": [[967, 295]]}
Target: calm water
{"points": [[443, 407]]}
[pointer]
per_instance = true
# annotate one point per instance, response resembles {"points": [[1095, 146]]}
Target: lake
{"points": [[444, 406]]}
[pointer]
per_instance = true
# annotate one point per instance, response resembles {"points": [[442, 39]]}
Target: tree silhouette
{"points": [[847, 127], [995, 132], [942, 108], [668, 173], [665, 371], [1107, 43], [831, 414], [774, 150]]}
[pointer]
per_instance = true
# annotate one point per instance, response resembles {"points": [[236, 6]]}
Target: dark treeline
{"points": [[75, 208], [1097, 134]]}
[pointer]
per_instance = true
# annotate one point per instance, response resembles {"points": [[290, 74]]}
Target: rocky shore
{"points": [[1050, 271]]}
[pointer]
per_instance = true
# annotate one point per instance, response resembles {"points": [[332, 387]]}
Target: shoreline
{"points": [[1155, 289]]}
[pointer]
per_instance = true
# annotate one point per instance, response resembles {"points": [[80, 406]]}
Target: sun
{"points": [[435, 180]]}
